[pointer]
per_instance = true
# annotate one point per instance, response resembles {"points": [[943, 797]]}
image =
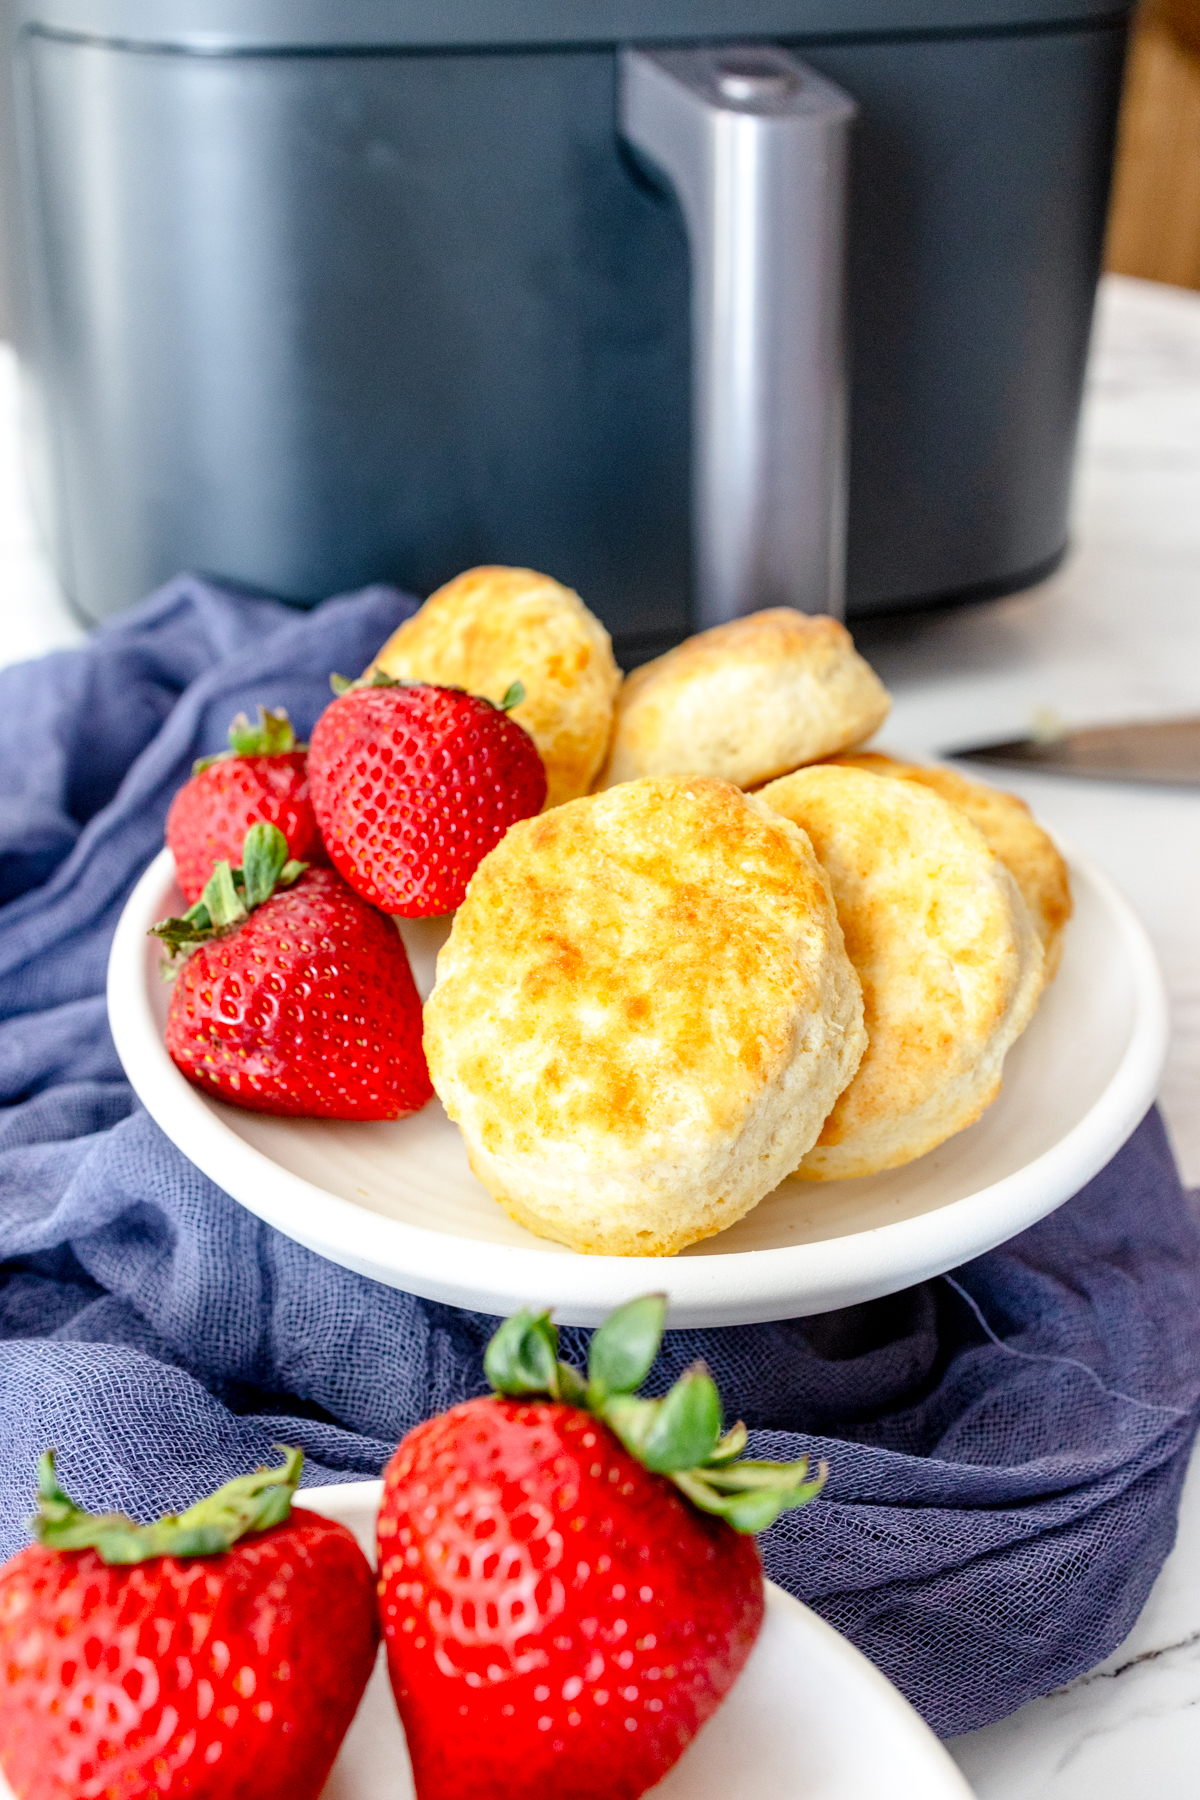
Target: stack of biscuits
{"points": [[735, 946]]}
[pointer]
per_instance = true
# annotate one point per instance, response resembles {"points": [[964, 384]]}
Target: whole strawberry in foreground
{"points": [[297, 996], [219, 1655], [565, 1585], [263, 776], [412, 785]]}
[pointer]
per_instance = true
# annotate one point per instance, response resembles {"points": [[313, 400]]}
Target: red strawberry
{"points": [[220, 1655], [262, 775], [412, 785], [298, 1001], [559, 1618]]}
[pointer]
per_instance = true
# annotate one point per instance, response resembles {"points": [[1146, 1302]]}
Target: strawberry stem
{"points": [[370, 678], [271, 735], [231, 895], [375, 677], [248, 1504], [678, 1436], [221, 899]]}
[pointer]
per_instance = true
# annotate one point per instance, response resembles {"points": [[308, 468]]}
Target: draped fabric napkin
{"points": [[1006, 1445]]}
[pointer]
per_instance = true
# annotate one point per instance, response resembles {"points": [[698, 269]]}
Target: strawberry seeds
{"points": [[412, 785], [297, 997]]}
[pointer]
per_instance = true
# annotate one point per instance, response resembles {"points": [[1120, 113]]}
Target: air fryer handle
{"points": [[755, 145]]}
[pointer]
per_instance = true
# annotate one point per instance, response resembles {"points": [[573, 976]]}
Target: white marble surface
{"points": [[1115, 634], [1131, 1725]]}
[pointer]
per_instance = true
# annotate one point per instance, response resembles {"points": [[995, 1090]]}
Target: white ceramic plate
{"points": [[809, 1717], [399, 1203]]}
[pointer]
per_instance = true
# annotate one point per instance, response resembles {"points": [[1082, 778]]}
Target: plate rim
{"points": [[713, 1290], [885, 1696]]}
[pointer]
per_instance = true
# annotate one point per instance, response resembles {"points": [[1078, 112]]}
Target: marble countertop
{"points": [[1115, 634]]}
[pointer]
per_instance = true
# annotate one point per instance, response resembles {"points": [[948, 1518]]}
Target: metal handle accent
{"points": [[755, 145]]}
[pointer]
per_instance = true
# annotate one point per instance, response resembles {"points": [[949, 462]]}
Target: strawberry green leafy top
{"points": [[231, 895], [248, 1504], [377, 678], [678, 1436], [270, 735]]}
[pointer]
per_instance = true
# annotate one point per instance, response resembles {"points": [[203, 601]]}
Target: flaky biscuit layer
{"points": [[1027, 852], [492, 626], [643, 1015], [950, 963]]}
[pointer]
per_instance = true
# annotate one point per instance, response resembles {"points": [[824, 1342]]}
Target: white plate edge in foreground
{"points": [[342, 1500]]}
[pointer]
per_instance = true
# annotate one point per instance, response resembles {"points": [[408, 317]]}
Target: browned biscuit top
{"points": [[492, 626], [1027, 852], [943, 945], [747, 701], [629, 966]]}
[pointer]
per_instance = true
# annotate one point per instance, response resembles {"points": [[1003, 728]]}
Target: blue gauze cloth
{"points": [[1006, 1446]]}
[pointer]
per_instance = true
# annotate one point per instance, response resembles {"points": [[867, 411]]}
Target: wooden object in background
{"points": [[1154, 224]]}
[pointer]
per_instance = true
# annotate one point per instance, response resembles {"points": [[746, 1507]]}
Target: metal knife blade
{"points": [[1163, 752]]}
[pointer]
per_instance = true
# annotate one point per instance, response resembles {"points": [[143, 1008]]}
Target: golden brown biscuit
{"points": [[643, 1015], [950, 963], [1010, 828], [746, 702], [493, 626]]}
